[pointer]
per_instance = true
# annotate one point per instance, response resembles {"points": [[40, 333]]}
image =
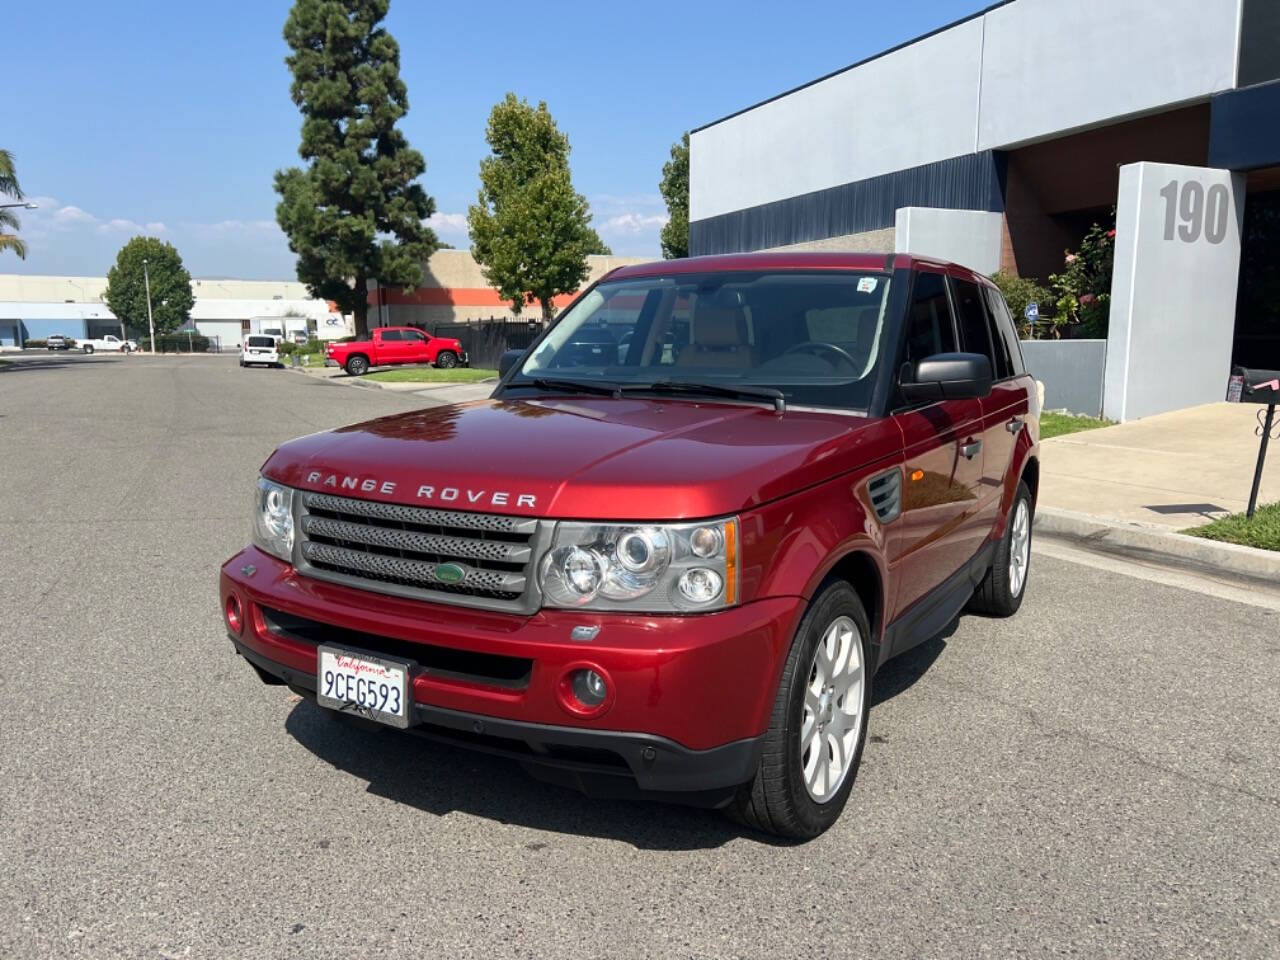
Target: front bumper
{"points": [[691, 695]]}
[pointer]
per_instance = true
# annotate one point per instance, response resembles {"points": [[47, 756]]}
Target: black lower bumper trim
{"points": [[597, 762]]}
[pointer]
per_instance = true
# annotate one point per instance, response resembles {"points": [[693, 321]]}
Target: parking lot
{"points": [[1096, 777]]}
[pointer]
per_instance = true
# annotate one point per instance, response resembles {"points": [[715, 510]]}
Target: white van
{"points": [[260, 348]]}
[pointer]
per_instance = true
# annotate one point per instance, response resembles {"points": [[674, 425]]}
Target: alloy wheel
{"points": [[1019, 548], [832, 711]]}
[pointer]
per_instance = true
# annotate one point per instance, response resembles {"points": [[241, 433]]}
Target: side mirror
{"points": [[947, 376], [508, 360]]}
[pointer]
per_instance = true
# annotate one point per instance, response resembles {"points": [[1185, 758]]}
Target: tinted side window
{"points": [[391, 335], [971, 317], [929, 327], [1008, 332]]}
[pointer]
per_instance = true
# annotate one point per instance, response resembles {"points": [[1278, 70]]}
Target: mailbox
{"points": [[1255, 386]]}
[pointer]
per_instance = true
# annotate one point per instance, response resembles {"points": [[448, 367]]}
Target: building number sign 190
{"points": [[1190, 210]]}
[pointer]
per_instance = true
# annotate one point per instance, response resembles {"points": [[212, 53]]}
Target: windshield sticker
{"points": [[866, 284]]}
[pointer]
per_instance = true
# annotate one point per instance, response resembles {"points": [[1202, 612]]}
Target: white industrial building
{"points": [[997, 141], [35, 307]]}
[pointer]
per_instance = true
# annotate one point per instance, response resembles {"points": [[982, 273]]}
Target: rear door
{"points": [[1006, 410], [388, 346], [935, 536], [973, 320]]}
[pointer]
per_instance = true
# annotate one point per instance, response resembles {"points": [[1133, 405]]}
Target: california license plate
{"points": [[352, 681]]}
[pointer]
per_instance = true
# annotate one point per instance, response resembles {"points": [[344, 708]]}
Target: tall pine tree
{"points": [[355, 212]]}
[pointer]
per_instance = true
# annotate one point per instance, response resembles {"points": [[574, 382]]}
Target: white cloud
{"points": [[67, 239], [634, 223], [451, 226], [630, 223]]}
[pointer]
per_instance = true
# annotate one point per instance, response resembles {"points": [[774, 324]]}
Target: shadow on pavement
{"points": [[50, 363], [900, 674], [439, 779]]}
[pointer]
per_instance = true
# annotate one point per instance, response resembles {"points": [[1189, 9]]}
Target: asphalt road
{"points": [[1097, 777]]}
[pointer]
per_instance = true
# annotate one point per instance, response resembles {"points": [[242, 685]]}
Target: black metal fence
{"points": [[182, 343], [487, 340]]}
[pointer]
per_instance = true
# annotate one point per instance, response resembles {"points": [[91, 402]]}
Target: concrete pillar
{"points": [[970, 238], [1173, 292]]}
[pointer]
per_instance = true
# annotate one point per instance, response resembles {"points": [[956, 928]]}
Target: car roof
{"points": [[798, 260]]}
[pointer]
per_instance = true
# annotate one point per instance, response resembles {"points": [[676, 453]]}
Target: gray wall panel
{"points": [[1071, 371], [971, 182]]}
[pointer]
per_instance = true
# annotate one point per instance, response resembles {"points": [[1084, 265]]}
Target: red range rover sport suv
{"points": [[671, 550]]}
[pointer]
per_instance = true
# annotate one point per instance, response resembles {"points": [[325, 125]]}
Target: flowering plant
{"points": [[1083, 288]]}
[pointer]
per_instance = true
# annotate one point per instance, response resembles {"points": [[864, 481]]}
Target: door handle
{"points": [[1014, 425], [971, 449]]}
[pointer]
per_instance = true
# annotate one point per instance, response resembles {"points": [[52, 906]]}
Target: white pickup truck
{"points": [[107, 344]]}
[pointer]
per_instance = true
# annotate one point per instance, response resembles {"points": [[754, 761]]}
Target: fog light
{"points": [[235, 620], [700, 585], [589, 688]]}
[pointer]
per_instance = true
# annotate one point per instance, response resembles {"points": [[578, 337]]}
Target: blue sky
{"points": [[170, 117]]}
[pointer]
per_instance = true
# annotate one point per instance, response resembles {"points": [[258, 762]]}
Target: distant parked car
{"points": [[386, 346], [59, 342], [108, 344], [298, 337], [260, 349]]}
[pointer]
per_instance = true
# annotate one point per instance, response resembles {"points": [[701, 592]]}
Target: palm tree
{"points": [[9, 188]]}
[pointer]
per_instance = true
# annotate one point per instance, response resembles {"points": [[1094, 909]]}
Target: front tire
{"points": [[446, 360], [357, 366], [1002, 589], [814, 743]]}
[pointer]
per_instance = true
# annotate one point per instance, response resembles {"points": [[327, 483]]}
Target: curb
{"points": [[1115, 536]]}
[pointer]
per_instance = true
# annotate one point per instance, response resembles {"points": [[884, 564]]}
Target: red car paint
{"points": [[797, 481], [404, 345]]}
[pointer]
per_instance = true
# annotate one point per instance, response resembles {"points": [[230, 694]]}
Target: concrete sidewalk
{"points": [[1174, 470], [440, 393]]}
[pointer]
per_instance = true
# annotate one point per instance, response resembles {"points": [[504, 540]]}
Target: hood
{"points": [[589, 458]]}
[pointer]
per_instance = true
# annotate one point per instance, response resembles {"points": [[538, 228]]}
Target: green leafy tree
{"points": [[1020, 291], [530, 230], [171, 296], [8, 219], [355, 212], [675, 190]]}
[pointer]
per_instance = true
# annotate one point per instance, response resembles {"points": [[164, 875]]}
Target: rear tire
{"points": [[806, 774], [357, 366], [1002, 589], [446, 360], [87, 348]]}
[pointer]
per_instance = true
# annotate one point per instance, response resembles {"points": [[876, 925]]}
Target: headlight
{"points": [[667, 568], [273, 519]]}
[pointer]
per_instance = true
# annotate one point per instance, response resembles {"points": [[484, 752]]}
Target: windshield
{"points": [[813, 336]]}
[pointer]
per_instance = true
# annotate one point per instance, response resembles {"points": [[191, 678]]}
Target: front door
{"points": [[937, 533], [415, 346]]}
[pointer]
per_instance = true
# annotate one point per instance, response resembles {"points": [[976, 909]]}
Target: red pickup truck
{"points": [[386, 346], [672, 549]]}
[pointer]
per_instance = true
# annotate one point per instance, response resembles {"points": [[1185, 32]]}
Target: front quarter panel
{"points": [[790, 546]]}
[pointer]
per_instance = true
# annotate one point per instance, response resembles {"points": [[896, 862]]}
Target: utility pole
{"points": [[146, 278]]}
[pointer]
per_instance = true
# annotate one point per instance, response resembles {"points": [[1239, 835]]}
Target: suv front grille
{"points": [[399, 549]]}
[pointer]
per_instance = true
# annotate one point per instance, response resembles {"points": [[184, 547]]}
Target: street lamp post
{"points": [[22, 203], [146, 278]]}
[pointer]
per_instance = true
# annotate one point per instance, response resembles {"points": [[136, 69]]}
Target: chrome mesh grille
{"points": [[399, 549]]}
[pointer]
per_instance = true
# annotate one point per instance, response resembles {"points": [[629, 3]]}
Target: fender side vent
{"points": [[886, 495]]}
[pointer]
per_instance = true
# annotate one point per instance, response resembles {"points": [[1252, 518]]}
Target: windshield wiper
{"points": [[602, 387], [775, 397]]}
